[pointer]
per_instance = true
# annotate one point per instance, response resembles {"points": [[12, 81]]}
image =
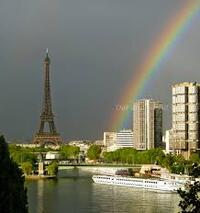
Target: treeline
{"points": [[67, 152], [25, 154], [175, 163], [132, 156], [27, 157]]}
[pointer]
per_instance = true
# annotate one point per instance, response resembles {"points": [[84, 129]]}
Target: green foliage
{"points": [[175, 163], [20, 154], [13, 198], [195, 172], [39, 149], [177, 169], [30, 149], [195, 158], [94, 152], [190, 197], [132, 156], [52, 168], [27, 168], [69, 152]]}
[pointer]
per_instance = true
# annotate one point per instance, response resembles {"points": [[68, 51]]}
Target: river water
{"points": [[74, 192]]}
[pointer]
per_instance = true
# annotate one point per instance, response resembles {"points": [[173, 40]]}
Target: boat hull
{"points": [[152, 184]]}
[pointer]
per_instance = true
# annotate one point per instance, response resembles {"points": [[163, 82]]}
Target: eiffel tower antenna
{"points": [[47, 117]]}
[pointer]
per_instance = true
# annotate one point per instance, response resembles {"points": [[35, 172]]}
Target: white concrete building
{"points": [[109, 141], [109, 138], [168, 139], [30, 145], [125, 138], [52, 156]]}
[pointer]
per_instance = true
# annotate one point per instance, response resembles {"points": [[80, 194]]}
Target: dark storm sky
{"points": [[95, 46]]}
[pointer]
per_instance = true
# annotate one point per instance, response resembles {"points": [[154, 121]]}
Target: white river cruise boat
{"points": [[153, 184]]}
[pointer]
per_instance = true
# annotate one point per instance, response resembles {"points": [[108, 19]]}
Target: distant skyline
{"points": [[94, 46]]}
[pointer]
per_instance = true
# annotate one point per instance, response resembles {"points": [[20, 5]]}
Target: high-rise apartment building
{"points": [[186, 117], [147, 124]]}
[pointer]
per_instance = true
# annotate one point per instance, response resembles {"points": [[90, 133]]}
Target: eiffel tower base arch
{"points": [[47, 139]]}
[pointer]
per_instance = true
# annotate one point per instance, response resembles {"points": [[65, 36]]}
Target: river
{"points": [[74, 192]]}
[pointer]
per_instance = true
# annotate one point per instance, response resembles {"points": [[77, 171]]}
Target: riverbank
{"points": [[107, 170], [39, 177]]}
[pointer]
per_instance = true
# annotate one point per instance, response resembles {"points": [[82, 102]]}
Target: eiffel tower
{"points": [[44, 137]]}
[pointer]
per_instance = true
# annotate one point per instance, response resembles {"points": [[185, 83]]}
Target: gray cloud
{"points": [[95, 46]]}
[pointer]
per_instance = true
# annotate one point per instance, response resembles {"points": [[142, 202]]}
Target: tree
{"points": [[20, 154], [195, 158], [52, 168], [70, 152], [190, 196], [27, 168], [94, 152], [13, 198]]}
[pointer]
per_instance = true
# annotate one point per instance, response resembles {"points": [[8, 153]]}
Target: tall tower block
{"points": [[147, 124], [186, 118], [47, 135]]}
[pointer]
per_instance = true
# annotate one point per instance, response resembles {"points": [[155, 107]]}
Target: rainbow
{"points": [[154, 59]]}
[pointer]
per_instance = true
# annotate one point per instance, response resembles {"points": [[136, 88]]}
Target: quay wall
{"points": [[107, 170]]}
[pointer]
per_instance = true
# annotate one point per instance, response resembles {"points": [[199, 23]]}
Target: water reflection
{"points": [[121, 199], [40, 195]]}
